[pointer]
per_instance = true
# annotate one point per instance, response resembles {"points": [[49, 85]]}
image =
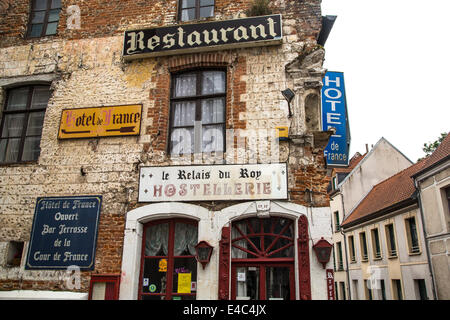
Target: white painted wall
{"points": [[210, 224]]}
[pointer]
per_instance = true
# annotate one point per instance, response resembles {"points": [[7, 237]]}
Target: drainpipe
{"points": [[345, 250], [419, 199]]}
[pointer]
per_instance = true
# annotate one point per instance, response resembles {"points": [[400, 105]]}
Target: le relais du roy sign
{"points": [[213, 182], [207, 36]]}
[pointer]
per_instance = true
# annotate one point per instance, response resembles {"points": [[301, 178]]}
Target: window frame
{"points": [[363, 246], [376, 244], [391, 253], [368, 290], [169, 294], [339, 257], [397, 290], [45, 22], [412, 250], [198, 108], [197, 7], [337, 223], [27, 111], [351, 246]]}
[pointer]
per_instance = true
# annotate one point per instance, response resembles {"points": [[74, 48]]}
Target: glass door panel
{"points": [[247, 283], [278, 283]]}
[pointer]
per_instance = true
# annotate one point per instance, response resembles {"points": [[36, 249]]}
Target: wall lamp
{"points": [[288, 94], [203, 252], [323, 251]]}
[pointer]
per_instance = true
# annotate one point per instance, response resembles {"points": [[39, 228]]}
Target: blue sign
{"points": [[334, 115], [64, 233]]}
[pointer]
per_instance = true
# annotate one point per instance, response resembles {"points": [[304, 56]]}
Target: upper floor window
{"points": [[363, 245], [411, 234], [376, 244], [196, 9], [351, 244], [390, 238], [334, 183], [22, 121], [197, 121], [337, 224], [44, 18]]}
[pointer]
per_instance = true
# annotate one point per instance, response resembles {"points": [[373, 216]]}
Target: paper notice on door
{"points": [[241, 276], [184, 283]]}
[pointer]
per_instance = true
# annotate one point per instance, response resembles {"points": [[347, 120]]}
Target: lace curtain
{"points": [[185, 239], [157, 239]]}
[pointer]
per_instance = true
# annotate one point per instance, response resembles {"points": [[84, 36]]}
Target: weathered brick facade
{"points": [[86, 69]]}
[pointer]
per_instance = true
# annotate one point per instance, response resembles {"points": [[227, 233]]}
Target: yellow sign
{"points": [[100, 122], [282, 132], [184, 283], [163, 265]]}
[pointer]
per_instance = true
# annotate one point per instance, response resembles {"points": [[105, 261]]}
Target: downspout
{"points": [[346, 253], [419, 199]]}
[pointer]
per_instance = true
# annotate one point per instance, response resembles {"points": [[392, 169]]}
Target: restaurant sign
{"points": [[207, 36], [100, 122], [213, 182], [64, 233]]}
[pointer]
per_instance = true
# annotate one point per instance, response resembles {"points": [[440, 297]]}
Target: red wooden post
{"points": [[303, 259], [224, 264]]}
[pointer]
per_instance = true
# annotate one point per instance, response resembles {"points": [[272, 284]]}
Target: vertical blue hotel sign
{"points": [[64, 233], [334, 115]]}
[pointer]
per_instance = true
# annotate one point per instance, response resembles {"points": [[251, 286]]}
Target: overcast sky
{"points": [[395, 55]]}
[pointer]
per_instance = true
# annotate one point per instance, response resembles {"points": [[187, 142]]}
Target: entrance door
{"points": [[262, 261], [263, 282]]}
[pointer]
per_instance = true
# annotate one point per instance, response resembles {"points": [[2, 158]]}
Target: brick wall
{"points": [[102, 18]]}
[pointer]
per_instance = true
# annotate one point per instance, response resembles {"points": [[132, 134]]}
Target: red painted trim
{"points": [[112, 285], [170, 257], [262, 275], [224, 264], [303, 259]]}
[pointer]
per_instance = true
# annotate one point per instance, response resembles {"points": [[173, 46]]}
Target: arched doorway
{"points": [[168, 264], [263, 259]]}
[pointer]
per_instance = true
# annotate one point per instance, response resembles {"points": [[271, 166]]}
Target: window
{"points": [[342, 286], [334, 182], [196, 9], [421, 289], [368, 290], [397, 290], [168, 264], [390, 239], [336, 291], [339, 256], [447, 194], [376, 244], [355, 289], [22, 123], [336, 221], [411, 233], [198, 112], [15, 251], [44, 18], [383, 290], [351, 245], [363, 244]]}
